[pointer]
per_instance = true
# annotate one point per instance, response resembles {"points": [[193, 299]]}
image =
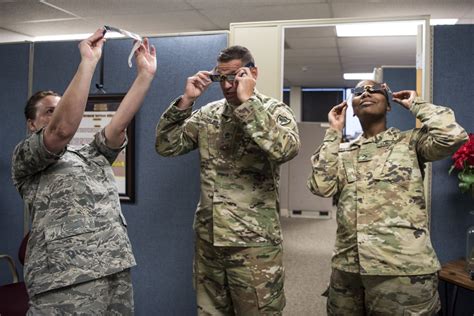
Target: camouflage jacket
{"points": [[78, 231], [378, 183], [240, 149]]}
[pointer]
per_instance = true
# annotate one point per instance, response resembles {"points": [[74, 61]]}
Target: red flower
{"points": [[464, 163], [464, 156]]}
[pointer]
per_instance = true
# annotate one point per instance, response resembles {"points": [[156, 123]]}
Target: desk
{"points": [[454, 272]]}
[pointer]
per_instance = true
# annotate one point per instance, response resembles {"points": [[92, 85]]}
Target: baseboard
{"points": [[311, 214]]}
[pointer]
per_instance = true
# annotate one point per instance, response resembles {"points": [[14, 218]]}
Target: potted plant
{"points": [[464, 164]]}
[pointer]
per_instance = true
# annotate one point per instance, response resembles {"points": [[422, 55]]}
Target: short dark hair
{"points": [[236, 52], [30, 108]]}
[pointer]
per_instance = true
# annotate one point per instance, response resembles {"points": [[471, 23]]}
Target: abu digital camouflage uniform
{"points": [[378, 183], [109, 295], [240, 150], [78, 232]]}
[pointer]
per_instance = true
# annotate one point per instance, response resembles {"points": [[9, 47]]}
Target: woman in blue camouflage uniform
{"points": [[79, 256]]}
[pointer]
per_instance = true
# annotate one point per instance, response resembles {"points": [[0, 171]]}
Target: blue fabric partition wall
{"points": [[400, 79], [14, 82], [167, 189], [453, 85]]}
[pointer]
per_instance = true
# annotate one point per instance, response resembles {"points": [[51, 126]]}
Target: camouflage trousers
{"points": [[238, 280], [110, 295], [355, 294]]}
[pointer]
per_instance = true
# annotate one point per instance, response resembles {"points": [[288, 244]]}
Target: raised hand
{"points": [[246, 84], [145, 57], [337, 116], [91, 47], [195, 87], [404, 98]]}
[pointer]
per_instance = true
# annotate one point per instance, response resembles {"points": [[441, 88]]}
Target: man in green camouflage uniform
{"points": [[78, 256], [383, 262], [242, 140]]}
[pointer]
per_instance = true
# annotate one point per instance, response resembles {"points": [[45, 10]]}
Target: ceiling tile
{"points": [[21, 12], [236, 4], [7, 36], [437, 9], [77, 26], [90, 8], [189, 21]]}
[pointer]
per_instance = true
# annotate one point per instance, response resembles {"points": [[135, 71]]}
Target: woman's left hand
{"points": [[145, 57], [404, 98]]}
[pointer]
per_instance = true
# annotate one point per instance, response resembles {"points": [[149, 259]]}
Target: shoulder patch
{"points": [[283, 120]]}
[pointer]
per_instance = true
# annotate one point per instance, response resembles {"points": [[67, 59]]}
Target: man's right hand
{"points": [[337, 116], [195, 87], [91, 47]]}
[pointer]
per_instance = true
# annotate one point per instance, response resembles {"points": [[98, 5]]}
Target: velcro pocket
{"points": [[268, 278], [271, 295], [71, 245], [347, 156], [431, 307], [68, 229], [398, 166]]}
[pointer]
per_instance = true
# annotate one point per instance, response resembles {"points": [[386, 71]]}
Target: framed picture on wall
{"points": [[100, 109]]}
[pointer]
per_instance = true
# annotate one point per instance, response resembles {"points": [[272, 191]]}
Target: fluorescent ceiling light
{"points": [[65, 37], [443, 21], [359, 76], [406, 28]]}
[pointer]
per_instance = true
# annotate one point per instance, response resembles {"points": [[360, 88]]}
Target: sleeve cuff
{"points": [[173, 113], [332, 135], [43, 151], [418, 102], [101, 142], [247, 109]]}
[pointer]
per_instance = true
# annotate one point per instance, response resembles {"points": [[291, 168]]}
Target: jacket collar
{"points": [[382, 139]]}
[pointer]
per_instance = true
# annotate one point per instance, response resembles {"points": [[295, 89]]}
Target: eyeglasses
{"points": [[228, 78], [376, 88], [221, 78]]}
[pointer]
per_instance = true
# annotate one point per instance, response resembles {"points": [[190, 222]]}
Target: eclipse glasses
{"points": [[376, 88], [136, 37], [228, 78]]}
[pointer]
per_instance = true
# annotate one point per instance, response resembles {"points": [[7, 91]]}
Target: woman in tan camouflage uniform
{"points": [[383, 261]]}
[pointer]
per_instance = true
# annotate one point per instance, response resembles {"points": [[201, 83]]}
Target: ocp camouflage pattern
{"points": [[378, 184], [253, 279], [354, 294], [241, 149]]}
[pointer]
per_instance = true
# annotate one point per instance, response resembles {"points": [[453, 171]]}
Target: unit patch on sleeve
{"points": [[283, 120]]}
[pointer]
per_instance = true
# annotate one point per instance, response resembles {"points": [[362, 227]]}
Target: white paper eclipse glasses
{"points": [[138, 38]]}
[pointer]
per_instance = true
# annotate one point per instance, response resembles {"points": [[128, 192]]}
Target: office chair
{"points": [[13, 296]]}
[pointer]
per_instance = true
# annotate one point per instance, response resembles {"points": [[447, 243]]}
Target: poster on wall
{"points": [[99, 111]]}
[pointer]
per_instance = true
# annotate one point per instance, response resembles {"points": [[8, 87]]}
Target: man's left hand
{"points": [[246, 84]]}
